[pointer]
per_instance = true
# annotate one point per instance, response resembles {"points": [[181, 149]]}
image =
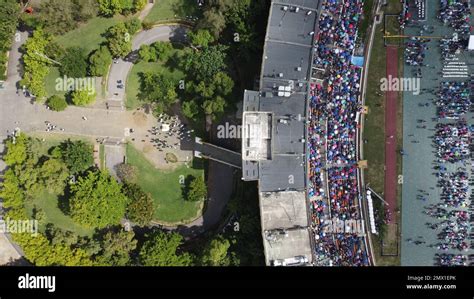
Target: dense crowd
{"points": [[456, 13], [415, 51], [452, 142], [334, 104], [453, 99], [452, 136]]}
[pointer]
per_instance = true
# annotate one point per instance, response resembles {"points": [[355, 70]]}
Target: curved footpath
{"points": [[121, 68], [18, 111]]}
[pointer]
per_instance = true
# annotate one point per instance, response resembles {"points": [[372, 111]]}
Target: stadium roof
{"points": [[282, 97]]}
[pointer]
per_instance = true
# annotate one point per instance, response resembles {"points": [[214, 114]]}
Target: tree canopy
{"points": [[140, 209], [203, 65], [57, 103], [100, 61], [77, 155], [83, 97], [9, 13], [216, 253], [119, 40], [157, 89], [162, 249], [197, 189], [97, 200], [58, 17], [36, 67], [74, 63], [116, 245]]}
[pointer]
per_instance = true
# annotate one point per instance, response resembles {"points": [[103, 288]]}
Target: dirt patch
{"points": [[139, 119]]}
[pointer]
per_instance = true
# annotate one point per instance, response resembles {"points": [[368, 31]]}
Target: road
{"points": [[19, 111], [121, 67]]}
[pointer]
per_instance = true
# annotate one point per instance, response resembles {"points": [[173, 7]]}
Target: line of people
{"points": [[334, 104]]}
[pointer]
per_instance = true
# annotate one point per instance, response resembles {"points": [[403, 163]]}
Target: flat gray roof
{"points": [[290, 26], [283, 210], [282, 173], [283, 60], [296, 243]]}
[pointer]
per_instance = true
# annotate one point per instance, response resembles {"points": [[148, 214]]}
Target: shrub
{"points": [[57, 103]]}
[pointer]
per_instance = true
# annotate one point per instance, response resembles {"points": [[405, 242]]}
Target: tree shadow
{"points": [[186, 186]]}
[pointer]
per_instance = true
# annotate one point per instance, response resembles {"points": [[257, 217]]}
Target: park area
{"points": [[168, 69], [48, 203], [167, 188], [88, 36], [169, 10]]}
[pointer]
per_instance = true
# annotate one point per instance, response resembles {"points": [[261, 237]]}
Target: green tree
{"points": [[223, 84], [52, 175], [126, 172], [57, 103], [214, 21], [16, 150], [162, 50], [110, 7], [40, 252], [85, 10], [119, 40], [10, 191], [216, 253], [54, 50], [161, 249], [35, 66], [77, 155], [117, 245], [100, 61], [97, 200], [158, 89], [133, 25], [201, 38], [147, 53], [190, 109], [74, 63], [140, 207], [83, 97], [57, 16], [197, 189], [214, 106], [139, 5], [206, 63]]}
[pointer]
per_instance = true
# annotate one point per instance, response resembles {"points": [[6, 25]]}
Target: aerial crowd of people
{"points": [[452, 138], [334, 105]]}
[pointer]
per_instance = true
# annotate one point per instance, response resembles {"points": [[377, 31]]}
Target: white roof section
{"points": [[471, 43]]}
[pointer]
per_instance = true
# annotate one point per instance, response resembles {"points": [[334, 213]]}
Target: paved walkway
{"points": [[418, 159], [391, 106], [121, 68]]}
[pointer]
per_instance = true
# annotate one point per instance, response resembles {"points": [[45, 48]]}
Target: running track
{"points": [[391, 106]]}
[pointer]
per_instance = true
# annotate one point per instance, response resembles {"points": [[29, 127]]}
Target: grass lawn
{"points": [[49, 204], [51, 140], [165, 189], [90, 35], [133, 80], [102, 156], [172, 9], [374, 132], [50, 82]]}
